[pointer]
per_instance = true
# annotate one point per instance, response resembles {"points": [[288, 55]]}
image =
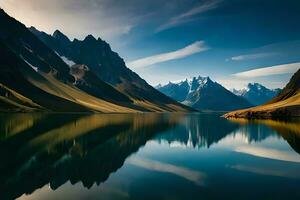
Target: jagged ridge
{"points": [[204, 94]]}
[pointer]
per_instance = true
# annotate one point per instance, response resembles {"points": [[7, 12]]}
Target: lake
{"points": [[147, 156]]}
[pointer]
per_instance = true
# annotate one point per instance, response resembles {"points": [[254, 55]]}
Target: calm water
{"points": [[147, 156]]}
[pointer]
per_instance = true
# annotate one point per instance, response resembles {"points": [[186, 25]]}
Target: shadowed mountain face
{"points": [[87, 81], [14, 72], [257, 94], [23, 43], [26, 90], [108, 66], [203, 94], [291, 89]]}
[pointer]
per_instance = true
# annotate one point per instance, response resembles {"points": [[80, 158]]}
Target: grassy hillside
{"points": [[291, 89], [11, 101], [286, 104], [289, 107], [31, 91]]}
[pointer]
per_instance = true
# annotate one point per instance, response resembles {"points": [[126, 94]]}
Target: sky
{"points": [[234, 42]]}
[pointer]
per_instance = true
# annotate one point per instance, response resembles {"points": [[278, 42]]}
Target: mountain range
{"points": [[256, 93], [35, 75], [109, 67], [202, 93], [285, 104]]}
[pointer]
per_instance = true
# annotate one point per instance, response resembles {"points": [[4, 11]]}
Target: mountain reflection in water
{"points": [[39, 149]]}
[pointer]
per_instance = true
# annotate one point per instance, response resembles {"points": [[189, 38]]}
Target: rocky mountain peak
{"points": [[256, 93], [204, 94], [60, 36], [90, 38]]}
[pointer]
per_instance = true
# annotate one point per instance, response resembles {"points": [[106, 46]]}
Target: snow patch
{"points": [[66, 60], [194, 83], [33, 67]]}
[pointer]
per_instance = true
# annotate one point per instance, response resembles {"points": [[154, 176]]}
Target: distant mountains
{"points": [[285, 104], [38, 75], [256, 93], [202, 93]]}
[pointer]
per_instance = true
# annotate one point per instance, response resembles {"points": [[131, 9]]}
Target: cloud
{"points": [[191, 49], [108, 19], [251, 56], [185, 17], [268, 71], [267, 171], [188, 174], [269, 153]]}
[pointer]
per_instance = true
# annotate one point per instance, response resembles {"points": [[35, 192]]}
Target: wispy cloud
{"points": [[108, 19], [269, 153], [268, 71], [267, 170], [194, 176], [191, 49], [251, 56], [186, 16]]}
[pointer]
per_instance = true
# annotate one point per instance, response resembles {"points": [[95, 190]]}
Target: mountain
{"points": [[204, 94], [108, 66], [256, 93], [33, 71], [21, 93], [292, 89], [25, 45], [285, 104], [35, 78]]}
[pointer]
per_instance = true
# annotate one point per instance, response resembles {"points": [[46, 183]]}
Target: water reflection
{"points": [[39, 149], [55, 148], [188, 174], [199, 130], [289, 130]]}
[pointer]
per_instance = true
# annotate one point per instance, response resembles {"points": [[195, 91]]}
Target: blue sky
{"points": [[163, 41]]}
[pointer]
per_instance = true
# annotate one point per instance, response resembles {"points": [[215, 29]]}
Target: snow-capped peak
{"points": [[158, 86], [191, 84], [256, 93]]}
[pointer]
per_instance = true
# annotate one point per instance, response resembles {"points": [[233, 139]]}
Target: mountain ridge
{"points": [[108, 66], [256, 93], [33, 72], [203, 94]]}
